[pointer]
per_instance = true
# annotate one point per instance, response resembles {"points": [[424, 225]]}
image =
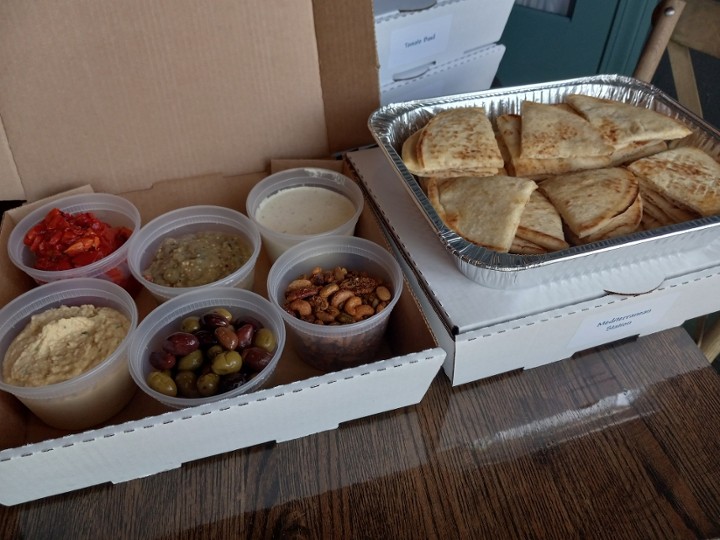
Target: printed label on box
{"points": [[413, 44], [612, 325]]}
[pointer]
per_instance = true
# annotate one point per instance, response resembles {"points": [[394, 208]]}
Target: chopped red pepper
{"points": [[62, 241]]}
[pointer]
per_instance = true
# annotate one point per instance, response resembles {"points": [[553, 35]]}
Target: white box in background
{"points": [[412, 37], [487, 331], [471, 72]]}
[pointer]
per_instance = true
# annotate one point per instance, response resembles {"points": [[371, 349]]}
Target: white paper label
{"points": [[631, 320], [411, 45]]}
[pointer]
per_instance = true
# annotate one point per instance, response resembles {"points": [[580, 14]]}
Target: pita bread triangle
{"points": [[472, 166], [664, 207], [541, 225], [550, 131], [510, 133], [588, 200], [685, 175], [625, 223], [520, 246], [460, 139], [485, 211], [624, 123]]}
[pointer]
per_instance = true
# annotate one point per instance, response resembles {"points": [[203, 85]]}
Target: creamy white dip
{"points": [[304, 210], [61, 343]]}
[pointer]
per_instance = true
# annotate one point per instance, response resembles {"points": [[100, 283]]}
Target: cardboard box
{"points": [[412, 36], [471, 72], [122, 96], [491, 331]]}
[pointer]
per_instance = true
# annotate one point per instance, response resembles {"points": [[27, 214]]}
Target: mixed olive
{"points": [[210, 354]]}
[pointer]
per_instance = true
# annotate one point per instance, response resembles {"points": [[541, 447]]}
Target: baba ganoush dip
{"points": [[61, 343], [197, 259]]}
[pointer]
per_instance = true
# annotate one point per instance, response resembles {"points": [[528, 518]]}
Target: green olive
{"points": [[190, 361], [227, 362], [213, 351], [186, 384], [190, 324], [208, 384], [265, 339], [162, 382], [224, 313]]}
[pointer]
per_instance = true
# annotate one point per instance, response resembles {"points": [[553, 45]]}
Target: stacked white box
{"points": [[421, 41], [471, 72]]}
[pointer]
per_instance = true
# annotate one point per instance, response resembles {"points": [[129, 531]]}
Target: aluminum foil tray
{"points": [[645, 251]]}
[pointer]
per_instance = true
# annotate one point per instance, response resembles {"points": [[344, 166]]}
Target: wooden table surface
{"points": [[621, 441]]}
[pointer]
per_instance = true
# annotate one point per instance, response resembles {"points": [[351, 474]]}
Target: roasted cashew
{"points": [[351, 304], [362, 312], [329, 289], [340, 297], [299, 284], [302, 307]]}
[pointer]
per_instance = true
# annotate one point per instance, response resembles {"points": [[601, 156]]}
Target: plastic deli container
{"points": [[189, 221], [333, 347], [167, 319], [295, 205], [93, 396], [111, 209]]}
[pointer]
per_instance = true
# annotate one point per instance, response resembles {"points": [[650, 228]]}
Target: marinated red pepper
{"points": [[62, 241]]}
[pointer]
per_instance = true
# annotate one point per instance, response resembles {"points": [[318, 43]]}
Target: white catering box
{"points": [[414, 35], [488, 331], [471, 72]]}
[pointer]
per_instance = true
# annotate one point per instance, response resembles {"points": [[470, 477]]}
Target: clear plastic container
{"points": [[166, 319], [91, 397], [335, 347], [277, 237], [191, 220], [111, 209]]}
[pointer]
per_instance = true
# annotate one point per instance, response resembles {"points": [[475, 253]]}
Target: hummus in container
{"points": [[63, 350], [63, 342]]}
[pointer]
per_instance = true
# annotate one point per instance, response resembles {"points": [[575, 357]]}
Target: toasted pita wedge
{"points": [[541, 225], [485, 211], [655, 213], [624, 223], [635, 151], [624, 123], [509, 133], [455, 142], [666, 210], [686, 175], [549, 131], [648, 222], [410, 158], [520, 246], [588, 200]]}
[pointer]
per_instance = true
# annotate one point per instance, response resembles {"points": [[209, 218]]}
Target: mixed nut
{"points": [[210, 354], [337, 296]]}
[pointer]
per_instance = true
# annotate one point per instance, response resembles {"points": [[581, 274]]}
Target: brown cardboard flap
{"points": [[12, 188], [349, 69], [122, 94]]}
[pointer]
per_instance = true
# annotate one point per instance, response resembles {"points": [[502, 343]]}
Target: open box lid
{"points": [[123, 94]]}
